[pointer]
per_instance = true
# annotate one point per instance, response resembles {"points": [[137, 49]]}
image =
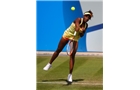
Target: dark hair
{"points": [[90, 13]]}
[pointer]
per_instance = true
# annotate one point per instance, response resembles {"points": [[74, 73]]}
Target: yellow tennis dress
{"points": [[69, 32]]}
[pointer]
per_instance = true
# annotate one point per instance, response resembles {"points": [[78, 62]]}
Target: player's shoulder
{"points": [[77, 20], [86, 23]]}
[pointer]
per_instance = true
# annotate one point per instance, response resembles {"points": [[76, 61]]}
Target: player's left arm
{"points": [[82, 33]]}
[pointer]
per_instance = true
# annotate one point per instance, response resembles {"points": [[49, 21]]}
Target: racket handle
{"points": [[75, 33]]}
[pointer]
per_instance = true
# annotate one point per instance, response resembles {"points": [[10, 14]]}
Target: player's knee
{"points": [[72, 55]]}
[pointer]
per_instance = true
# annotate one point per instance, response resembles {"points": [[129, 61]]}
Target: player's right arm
{"points": [[77, 25], [82, 33]]}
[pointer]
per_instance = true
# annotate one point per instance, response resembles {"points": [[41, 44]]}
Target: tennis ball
{"points": [[72, 8]]}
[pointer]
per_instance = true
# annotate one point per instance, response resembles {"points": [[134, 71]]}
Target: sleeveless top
{"points": [[69, 32]]}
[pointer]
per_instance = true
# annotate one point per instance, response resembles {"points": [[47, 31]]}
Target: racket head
{"points": [[70, 47]]}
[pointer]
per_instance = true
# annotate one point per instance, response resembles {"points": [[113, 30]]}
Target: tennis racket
{"points": [[70, 46]]}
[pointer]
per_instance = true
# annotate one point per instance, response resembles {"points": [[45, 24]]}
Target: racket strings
{"points": [[70, 47]]}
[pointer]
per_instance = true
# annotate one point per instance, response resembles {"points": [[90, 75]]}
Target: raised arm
{"points": [[77, 25], [82, 33]]}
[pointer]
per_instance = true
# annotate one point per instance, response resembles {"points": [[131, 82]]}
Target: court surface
{"points": [[87, 73]]}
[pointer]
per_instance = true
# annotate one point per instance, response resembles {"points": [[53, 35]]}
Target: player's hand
{"points": [[81, 29]]}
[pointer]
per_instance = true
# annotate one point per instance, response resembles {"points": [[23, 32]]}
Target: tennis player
{"points": [[79, 25]]}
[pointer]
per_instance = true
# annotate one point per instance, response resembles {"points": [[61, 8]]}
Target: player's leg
{"points": [[72, 60], [60, 47]]}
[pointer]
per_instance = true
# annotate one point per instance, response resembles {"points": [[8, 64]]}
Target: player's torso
{"points": [[71, 29]]}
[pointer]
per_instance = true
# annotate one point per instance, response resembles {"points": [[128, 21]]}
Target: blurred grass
{"points": [[86, 69]]}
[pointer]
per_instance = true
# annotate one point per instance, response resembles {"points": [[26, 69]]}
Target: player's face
{"points": [[86, 18]]}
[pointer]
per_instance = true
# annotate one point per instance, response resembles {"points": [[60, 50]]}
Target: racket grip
{"points": [[75, 33]]}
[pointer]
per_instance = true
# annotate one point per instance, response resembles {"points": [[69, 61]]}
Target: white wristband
{"points": [[74, 33]]}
